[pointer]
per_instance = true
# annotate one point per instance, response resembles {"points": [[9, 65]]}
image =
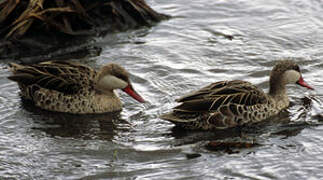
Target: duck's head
{"points": [[113, 76], [287, 72]]}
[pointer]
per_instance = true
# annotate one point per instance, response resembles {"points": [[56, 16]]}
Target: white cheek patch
{"points": [[291, 76], [112, 82]]}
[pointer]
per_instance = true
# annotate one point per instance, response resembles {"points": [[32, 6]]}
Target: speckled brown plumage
{"points": [[68, 86], [228, 104]]}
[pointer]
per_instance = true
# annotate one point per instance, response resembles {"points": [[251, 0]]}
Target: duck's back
{"points": [[220, 105], [63, 86], [65, 77]]}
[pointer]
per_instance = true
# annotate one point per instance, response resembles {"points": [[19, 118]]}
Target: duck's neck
{"points": [[278, 93], [277, 88], [105, 92]]}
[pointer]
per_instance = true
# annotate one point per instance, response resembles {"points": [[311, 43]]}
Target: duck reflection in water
{"points": [[92, 126]]}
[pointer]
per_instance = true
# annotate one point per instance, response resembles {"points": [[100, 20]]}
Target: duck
{"points": [[72, 87], [228, 104]]}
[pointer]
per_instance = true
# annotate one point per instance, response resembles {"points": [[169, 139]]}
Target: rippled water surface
{"points": [[204, 42]]}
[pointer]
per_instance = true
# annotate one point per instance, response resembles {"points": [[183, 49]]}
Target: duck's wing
{"points": [[216, 95], [66, 77]]}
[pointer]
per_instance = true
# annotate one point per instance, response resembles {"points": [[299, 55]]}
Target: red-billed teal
{"points": [[227, 104], [72, 87]]}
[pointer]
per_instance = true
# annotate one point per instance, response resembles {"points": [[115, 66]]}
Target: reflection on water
{"points": [[101, 126], [204, 42]]}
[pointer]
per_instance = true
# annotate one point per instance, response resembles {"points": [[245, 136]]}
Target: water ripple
{"points": [[204, 42]]}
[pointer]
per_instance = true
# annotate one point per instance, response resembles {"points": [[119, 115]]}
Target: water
{"points": [[189, 51]]}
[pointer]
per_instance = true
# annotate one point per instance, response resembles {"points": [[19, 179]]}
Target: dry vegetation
{"points": [[31, 18], [74, 17]]}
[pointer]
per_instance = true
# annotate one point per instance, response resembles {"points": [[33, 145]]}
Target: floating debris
{"points": [[193, 155], [229, 146]]}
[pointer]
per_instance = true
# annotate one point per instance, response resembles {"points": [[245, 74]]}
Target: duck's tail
{"points": [[177, 118], [14, 67], [18, 74]]}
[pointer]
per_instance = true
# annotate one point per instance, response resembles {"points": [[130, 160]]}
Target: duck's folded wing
{"points": [[211, 97], [61, 76]]}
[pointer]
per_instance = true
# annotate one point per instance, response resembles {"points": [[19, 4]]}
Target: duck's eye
{"points": [[296, 68], [122, 76]]}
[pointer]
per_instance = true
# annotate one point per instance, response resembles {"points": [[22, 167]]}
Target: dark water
{"points": [[190, 50]]}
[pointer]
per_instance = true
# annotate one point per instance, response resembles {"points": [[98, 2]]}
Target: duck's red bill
{"points": [[129, 90], [301, 82]]}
